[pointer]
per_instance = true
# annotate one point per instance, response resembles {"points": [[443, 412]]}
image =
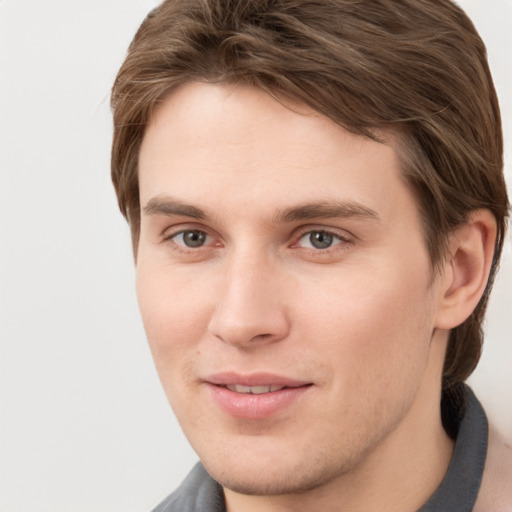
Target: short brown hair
{"points": [[416, 66]]}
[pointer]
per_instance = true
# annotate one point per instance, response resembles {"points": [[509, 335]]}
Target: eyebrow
{"points": [[169, 206], [325, 209]]}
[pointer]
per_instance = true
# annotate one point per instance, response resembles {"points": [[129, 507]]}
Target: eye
{"points": [[191, 238], [319, 240]]}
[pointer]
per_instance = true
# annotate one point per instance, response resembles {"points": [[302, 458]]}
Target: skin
{"points": [[363, 320]]}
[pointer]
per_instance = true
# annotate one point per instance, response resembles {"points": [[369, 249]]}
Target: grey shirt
{"points": [[199, 492]]}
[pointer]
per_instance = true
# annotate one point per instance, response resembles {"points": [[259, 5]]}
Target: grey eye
{"points": [[191, 238], [320, 239]]}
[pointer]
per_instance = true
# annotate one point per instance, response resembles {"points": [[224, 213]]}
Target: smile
{"points": [[255, 397], [255, 390]]}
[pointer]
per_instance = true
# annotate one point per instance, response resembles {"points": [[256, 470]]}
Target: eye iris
{"points": [[320, 239], [194, 238]]}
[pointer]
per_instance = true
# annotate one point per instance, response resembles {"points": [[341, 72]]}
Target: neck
{"points": [[401, 473]]}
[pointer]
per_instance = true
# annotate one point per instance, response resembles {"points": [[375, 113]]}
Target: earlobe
{"points": [[466, 270]]}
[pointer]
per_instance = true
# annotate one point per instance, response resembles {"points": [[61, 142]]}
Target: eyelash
{"points": [[343, 242], [182, 248]]}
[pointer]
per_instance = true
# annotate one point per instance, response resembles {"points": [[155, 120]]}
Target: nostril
{"points": [[261, 336], [241, 322]]}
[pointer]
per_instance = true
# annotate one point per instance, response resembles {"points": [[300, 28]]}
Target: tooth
{"points": [[242, 389], [254, 390], [259, 390]]}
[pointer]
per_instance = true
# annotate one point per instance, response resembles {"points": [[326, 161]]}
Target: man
{"points": [[317, 207]]}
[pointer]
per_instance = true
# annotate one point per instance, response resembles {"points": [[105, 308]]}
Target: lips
{"points": [[256, 396]]}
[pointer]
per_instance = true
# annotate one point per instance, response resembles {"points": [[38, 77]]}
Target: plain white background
{"points": [[85, 426]]}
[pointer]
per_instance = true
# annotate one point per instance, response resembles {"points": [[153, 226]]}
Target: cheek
{"points": [[174, 313], [373, 329], [175, 320]]}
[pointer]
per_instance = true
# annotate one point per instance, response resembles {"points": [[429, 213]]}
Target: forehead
{"points": [[205, 140]]}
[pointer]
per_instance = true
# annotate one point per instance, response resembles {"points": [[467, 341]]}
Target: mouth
{"points": [[256, 396], [255, 390]]}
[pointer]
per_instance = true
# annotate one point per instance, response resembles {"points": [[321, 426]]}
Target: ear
{"points": [[466, 269]]}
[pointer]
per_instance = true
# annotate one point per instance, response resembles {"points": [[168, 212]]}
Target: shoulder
{"points": [[496, 490]]}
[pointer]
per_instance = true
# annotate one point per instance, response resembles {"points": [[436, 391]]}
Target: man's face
{"points": [[285, 289]]}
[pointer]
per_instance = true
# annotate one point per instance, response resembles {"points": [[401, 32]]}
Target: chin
{"points": [[275, 476], [268, 485]]}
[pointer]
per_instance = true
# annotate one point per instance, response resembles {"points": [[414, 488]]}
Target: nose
{"points": [[250, 308]]}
